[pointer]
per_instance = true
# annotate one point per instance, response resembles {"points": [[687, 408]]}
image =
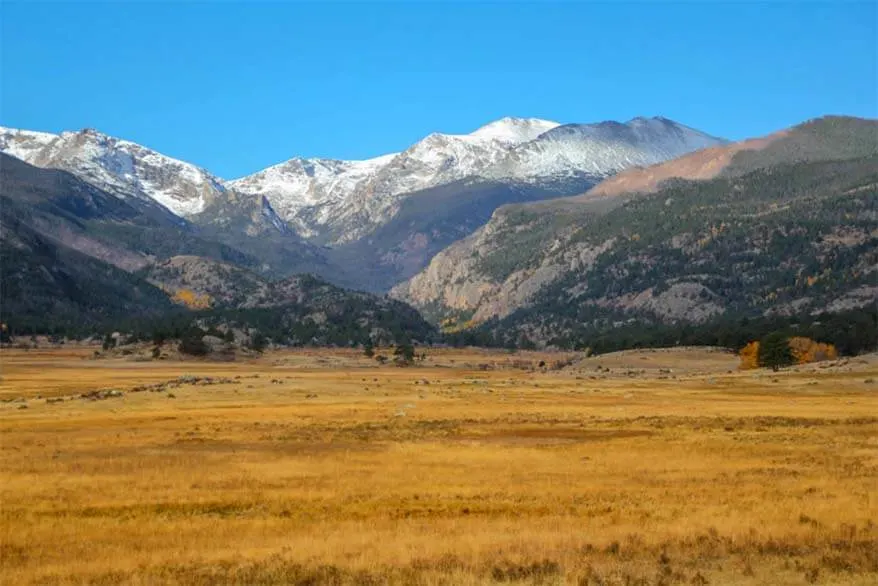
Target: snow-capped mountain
{"points": [[24, 144], [514, 130], [382, 219], [346, 200], [323, 184], [602, 149], [319, 194], [120, 166], [443, 158]]}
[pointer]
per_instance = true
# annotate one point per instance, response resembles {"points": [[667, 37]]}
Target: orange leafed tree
{"points": [[749, 356], [806, 350], [191, 299]]}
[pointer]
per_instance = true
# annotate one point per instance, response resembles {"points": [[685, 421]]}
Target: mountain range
{"points": [[342, 201], [366, 224], [546, 231]]}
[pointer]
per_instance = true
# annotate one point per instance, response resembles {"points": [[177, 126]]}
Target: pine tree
{"points": [[404, 354], [191, 343], [774, 351], [109, 341], [258, 342]]}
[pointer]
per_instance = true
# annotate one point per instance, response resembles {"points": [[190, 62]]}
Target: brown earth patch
{"points": [[700, 165], [554, 436]]}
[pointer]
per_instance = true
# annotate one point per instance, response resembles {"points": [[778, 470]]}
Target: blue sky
{"points": [[235, 87]]}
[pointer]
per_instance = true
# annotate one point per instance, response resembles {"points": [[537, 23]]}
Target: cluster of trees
{"points": [[850, 332], [777, 350], [335, 319], [403, 353], [846, 333], [192, 343]]}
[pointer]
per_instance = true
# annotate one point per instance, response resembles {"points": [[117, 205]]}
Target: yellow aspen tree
{"points": [[749, 355]]}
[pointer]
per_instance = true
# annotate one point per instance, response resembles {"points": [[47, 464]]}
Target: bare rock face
{"points": [[699, 165], [455, 281], [690, 302]]}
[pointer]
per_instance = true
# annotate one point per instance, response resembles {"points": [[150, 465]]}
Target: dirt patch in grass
{"points": [[552, 435]]}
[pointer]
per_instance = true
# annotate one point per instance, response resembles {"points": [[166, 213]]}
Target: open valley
{"points": [[471, 467]]}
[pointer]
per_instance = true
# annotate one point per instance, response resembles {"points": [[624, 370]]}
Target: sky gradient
{"points": [[235, 87]]}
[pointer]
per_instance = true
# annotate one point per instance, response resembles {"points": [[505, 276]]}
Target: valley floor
{"points": [[310, 467]]}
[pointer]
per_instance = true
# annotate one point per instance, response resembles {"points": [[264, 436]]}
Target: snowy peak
{"points": [[23, 144], [514, 130], [647, 132], [300, 183], [601, 149], [347, 199], [336, 201], [509, 131], [123, 167], [313, 193]]}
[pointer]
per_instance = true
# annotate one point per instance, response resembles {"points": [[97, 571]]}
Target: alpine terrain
{"points": [[366, 224], [782, 225], [384, 218], [75, 259], [525, 230]]}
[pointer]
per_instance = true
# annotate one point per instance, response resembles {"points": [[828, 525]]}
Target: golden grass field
{"points": [[323, 468]]}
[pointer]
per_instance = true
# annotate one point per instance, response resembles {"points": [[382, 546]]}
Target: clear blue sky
{"points": [[235, 87]]}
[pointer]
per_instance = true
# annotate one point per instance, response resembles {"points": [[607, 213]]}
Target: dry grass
{"points": [[319, 468]]}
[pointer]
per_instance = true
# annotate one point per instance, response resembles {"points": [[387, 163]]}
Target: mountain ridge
{"points": [[507, 150], [75, 259], [505, 266], [350, 221]]}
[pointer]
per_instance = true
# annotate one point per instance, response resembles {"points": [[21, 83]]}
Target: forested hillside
{"points": [[796, 236]]}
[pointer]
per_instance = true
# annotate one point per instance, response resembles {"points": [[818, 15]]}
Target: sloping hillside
{"points": [[297, 310], [793, 236], [46, 284], [75, 258]]}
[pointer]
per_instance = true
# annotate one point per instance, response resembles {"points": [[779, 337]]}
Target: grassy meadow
{"points": [[472, 467]]}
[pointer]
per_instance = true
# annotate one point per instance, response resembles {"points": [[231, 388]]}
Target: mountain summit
{"points": [[341, 201], [126, 168], [514, 130]]}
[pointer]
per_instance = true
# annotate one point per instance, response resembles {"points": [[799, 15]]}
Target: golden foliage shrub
{"points": [[749, 356], [806, 350], [191, 299]]}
